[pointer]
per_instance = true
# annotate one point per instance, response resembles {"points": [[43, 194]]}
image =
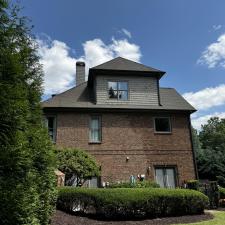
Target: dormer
{"points": [[122, 81]]}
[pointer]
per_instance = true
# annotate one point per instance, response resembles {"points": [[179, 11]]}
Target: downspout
{"points": [[192, 147], [159, 101]]}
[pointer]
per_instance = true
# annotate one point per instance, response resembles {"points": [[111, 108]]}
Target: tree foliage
{"points": [[77, 162], [26, 153], [210, 150]]}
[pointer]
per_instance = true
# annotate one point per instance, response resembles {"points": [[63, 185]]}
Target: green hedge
{"points": [[131, 202], [138, 184]]}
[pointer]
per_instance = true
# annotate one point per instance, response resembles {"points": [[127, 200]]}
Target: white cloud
{"points": [[197, 122], [125, 49], [214, 54], [97, 52], [60, 67], [217, 27], [126, 32], [207, 98]]}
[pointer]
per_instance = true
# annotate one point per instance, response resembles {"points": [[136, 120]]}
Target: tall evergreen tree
{"points": [[26, 153]]}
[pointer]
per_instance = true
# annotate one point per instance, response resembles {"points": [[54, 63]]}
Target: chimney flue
{"points": [[80, 73]]}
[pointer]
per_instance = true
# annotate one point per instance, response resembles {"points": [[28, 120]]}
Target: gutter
{"points": [[192, 147]]}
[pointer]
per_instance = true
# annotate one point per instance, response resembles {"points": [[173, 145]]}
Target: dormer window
{"points": [[118, 90]]}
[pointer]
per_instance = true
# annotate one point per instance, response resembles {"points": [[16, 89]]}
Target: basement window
{"points": [[95, 129], [162, 125], [118, 90]]}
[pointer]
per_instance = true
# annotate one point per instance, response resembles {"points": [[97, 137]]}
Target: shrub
{"points": [[138, 184], [76, 163], [127, 203], [222, 193], [222, 197], [210, 189], [193, 184]]}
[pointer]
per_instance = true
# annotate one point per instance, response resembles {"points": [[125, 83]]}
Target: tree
{"points": [[211, 160], [76, 163], [26, 153]]}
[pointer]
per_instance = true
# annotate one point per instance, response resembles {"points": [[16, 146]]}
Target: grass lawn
{"points": [[218, 220]]}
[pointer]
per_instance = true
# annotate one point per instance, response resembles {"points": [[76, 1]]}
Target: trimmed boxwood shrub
{"points": [[138, 184], [193, 184], [127, 203]]}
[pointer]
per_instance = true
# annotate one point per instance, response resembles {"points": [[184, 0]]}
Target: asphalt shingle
{"points": [[82, 97]]}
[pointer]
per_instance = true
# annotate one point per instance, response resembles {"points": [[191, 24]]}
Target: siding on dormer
{"points": [[141, 90]]}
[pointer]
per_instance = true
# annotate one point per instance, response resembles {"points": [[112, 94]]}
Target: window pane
{"points": [[162, 125], [93, 182], [95, 129], [95, 123], [122, 86], [170, 178], [122, 95], [113, 94], [50, 122], [159, 177], [112, 85], [51, 127], [95, 137]]}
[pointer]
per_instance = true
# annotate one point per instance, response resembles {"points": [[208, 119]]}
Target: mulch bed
{"points": [[62, 218]]}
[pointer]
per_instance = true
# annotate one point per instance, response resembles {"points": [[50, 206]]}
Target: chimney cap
{"points": [[80, 63]]}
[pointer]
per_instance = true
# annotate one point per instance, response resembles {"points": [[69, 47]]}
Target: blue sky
{"points": [[184, 38]]}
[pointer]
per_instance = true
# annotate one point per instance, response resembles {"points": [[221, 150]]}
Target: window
{"points": [[93, 182], [162, 124], [165, 177], [51, 125], [95, 129], [118, 90]]}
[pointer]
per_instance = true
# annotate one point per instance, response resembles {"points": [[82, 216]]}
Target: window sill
{"points": [[117, 100], [162, 132], [94, 142]]}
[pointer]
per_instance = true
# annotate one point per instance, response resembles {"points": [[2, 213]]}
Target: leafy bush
{"points": [[222, 197], [138, 184], [75, 162], [222, 193], [193, 184], [114, 203]]}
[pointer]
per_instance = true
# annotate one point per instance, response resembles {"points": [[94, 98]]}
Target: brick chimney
{"points": [[80, 73]]}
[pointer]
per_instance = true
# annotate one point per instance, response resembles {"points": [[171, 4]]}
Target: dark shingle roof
{"points": [[123, 66], [80, 97], [120, 63]]}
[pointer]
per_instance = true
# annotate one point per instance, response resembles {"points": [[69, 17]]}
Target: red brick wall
{"points": [[130, 135]]}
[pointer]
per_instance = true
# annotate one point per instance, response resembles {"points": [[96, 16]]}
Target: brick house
{"points": [[127, 122]]}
